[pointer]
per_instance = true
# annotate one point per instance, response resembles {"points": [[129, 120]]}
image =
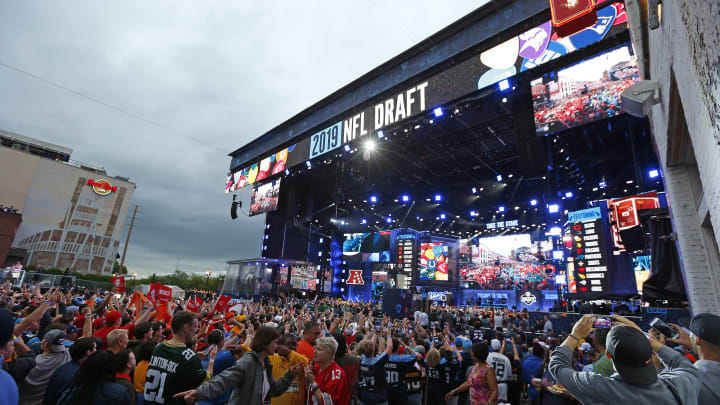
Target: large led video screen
{"points": [[507, 262], [586, 92], [367, 247], [265, 198], [435, 261]]}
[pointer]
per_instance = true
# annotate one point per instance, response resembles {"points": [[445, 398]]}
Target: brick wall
{"points": [[686, 46]]}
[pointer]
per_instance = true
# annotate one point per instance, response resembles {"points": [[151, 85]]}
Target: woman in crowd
{"points": [[251, 376], [93, 383], [348, 362], [328, 383], [142, 356], [372, 387], [482, 381]]}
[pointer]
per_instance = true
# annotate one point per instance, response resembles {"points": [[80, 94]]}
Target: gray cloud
{"points": [[221, 72]]}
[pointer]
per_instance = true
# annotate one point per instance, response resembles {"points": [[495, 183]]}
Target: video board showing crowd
{"points": [[507, 262], [371, 247], [265, 198], [585, 92]]}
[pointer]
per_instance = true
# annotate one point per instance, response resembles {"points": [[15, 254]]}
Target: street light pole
{"points": [[209, 273]]}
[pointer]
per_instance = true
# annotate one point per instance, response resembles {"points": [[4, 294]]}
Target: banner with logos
{"points": [[159, 293], [118, 283]]}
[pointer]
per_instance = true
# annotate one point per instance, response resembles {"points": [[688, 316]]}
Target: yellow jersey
{"points": [[296, 393]]}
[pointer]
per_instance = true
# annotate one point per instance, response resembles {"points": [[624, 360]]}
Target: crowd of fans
{"points": [[11, 209], [509, 276], [80, 347]]}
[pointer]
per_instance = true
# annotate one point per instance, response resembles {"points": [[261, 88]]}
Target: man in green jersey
{"points": [[174, 366]]}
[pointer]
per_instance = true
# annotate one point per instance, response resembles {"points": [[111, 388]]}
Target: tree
{"points": [[116, 268]]}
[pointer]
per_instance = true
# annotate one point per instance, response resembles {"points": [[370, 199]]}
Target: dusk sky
{"points": [[199, 79]]}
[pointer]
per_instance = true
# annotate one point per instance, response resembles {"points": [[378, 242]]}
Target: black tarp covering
{"points": [[666, 280]]}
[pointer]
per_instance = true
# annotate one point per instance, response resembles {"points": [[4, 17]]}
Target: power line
{"points": [[110, 106]]}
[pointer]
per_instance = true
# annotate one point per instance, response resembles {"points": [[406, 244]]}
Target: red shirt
{"points": [[123, 375], [333, 384], [103, 332], [306, 349]]}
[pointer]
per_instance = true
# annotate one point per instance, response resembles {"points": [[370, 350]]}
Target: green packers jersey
{"points": [[172, 369]]}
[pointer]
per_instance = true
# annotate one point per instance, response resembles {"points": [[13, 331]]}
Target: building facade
{"points": [[72, 215], [678, 46]]}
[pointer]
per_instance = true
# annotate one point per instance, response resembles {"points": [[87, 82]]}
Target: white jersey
{"points": [[501, 364]]}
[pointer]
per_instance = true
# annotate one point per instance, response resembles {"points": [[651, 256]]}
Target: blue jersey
{"points": [[372, 386], [397, 369]]}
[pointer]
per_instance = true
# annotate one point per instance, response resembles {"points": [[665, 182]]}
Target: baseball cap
{"points": [[495, 344], [706, 327], [631, 353], [56, 338], [458, 342], [6, 326], [71, 329], [112, 317], [467, 344]]}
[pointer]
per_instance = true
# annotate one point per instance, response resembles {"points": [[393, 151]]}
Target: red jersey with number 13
{"points": [[333, 384]]}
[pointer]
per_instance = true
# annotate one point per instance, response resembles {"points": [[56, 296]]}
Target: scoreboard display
{"points": [[405, 252], [588, 258]]}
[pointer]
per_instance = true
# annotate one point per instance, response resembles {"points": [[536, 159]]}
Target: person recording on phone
{"points": [[636, 380], [705, 341]]}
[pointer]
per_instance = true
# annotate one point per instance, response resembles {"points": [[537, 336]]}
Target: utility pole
{"points": [[127, 240]]}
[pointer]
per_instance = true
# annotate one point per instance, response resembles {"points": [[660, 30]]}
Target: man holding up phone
{"points": [[636, 382], [705, 341]]}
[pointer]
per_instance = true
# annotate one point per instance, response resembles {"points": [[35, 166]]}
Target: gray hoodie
{"points": [[246, 379], [709, 382], [592, 388], [36, 382]]}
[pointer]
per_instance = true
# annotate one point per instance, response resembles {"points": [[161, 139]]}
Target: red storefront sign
{"points": [[571, 16], [102, 187]]}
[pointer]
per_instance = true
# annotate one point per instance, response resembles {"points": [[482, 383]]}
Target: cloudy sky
{"points": [[216, 73]]}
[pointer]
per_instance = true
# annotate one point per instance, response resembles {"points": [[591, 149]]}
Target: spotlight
{"points": [[307, 163], [499, 178], [380, 134], [405, 198], [287, 172], [373, 199], [363, 221], [501, 208], [442, 216], [438, 111], [474, 190], [346, 147], [388, 220], [602, 184], [473, 213], [653, 173], [503, 85], [504, 99], [569, 194], [370, 145], [553, 208], [533, 202], [438, 197]]}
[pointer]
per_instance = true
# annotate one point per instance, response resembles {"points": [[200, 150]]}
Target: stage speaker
{"points": [[234, 208], [633, 238], [532, 161]]}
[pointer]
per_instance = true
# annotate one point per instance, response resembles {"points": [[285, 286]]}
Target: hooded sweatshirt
{"points": [[36, 382], [709, 377]]}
